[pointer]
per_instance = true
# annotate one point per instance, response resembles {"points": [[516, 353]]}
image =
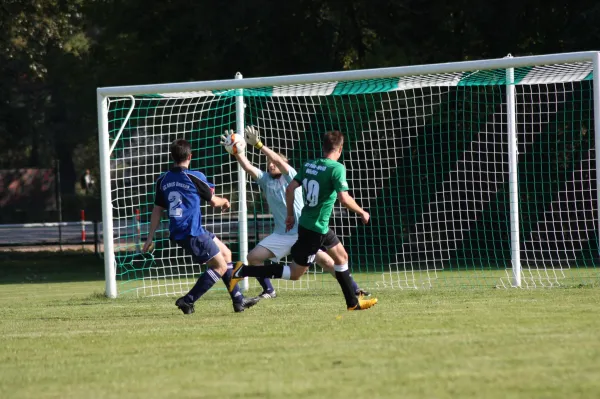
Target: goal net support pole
{"points": [[596, 70], [513, 181], [105, 192], [241, 175]]}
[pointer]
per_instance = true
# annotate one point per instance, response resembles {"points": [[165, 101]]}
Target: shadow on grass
{"points": [[49, 267]]}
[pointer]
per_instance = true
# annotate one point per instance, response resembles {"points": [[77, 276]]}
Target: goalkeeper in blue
{"points": [[181, 192], [273, 183]]}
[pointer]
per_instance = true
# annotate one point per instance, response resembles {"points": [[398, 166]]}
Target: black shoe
{"points": [[245, 304], [361, 292], [268, 295], [186, 308]]}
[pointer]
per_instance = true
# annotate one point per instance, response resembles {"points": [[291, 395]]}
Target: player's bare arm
{"points": [[252, 137], [246, 165], [281, 164], [236, 148], [220, 202], [290, 220], [349, 203], [154, 222]]}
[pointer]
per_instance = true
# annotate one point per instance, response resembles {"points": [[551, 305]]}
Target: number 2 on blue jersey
{"points": [[175, 202]]}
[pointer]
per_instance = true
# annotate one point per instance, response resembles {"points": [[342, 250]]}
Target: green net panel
{"points": [[426, 155]]}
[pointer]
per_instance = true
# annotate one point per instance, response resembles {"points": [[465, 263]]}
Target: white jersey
{"points": [[274, 190]]}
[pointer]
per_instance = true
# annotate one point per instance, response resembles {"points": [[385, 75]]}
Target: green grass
{"points": [[59, 337]]}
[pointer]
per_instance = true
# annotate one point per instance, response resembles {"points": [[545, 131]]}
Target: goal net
{"points": [[428, 155]]}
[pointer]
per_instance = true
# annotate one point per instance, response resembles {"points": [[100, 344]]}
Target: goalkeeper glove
{"points": [[233, 143], [252, 137]]}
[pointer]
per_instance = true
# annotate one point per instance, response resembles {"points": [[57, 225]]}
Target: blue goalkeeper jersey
{"points": [[180, 191]]}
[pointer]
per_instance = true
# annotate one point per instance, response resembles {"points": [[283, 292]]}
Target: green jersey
{"points": [[321, 180]]}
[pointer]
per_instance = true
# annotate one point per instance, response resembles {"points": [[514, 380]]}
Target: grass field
{"points": [[61, 338]]}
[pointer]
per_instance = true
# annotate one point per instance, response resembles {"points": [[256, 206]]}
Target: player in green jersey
{"points": [[324, 181], [273, 183]]}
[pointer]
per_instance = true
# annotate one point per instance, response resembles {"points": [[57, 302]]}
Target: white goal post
{"points": [[461, 222]]}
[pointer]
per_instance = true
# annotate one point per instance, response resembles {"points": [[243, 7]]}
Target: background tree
{"points": [[55, 53], [41, 58]]}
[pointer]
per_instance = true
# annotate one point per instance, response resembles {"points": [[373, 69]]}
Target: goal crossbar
{"points": [[392, 72]]}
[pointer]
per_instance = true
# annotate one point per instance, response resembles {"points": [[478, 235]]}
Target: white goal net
{"points": [[427, 155]]}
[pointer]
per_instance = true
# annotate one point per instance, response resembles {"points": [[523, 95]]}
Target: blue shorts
{"points": [[201, 248]]}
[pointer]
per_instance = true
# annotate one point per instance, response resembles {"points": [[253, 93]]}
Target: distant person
{"points": [[87, 182]]}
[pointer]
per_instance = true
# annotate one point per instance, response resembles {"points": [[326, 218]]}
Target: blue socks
{"points": [[265, 283], [204, 283], [208, 279]]}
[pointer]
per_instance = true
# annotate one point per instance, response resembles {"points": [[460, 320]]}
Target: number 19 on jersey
{"points": [[311, 188]]}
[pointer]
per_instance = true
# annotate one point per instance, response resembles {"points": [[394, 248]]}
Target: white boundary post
{"points": [[243, 207], [596, 70], [513, 179], [110, 272]]}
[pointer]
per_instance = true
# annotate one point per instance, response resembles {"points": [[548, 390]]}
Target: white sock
{"points": [[287, 272], [340, 268]]}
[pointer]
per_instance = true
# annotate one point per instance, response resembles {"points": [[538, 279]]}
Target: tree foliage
{"points": [[43, 45], [54, 53]]}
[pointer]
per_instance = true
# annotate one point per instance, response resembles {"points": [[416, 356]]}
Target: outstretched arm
{"points": [[154, 222], [238, 153], [340, 184], [348, 202], [277, 160], [220, 202], [246, 165], [252, 138], [206, 191]]}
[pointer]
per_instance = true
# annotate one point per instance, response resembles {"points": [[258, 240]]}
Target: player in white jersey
{"points": [[273, 183]]}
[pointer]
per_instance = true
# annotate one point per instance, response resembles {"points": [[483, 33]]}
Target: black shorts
{"points": [[308, 244]]}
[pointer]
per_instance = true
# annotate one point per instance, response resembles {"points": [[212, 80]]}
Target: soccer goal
{"points": [[476, 174]]}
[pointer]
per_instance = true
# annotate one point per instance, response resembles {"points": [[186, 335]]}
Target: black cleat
{"points": [[186, 308], [361, 292], [245, 304], [268, 295]]}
